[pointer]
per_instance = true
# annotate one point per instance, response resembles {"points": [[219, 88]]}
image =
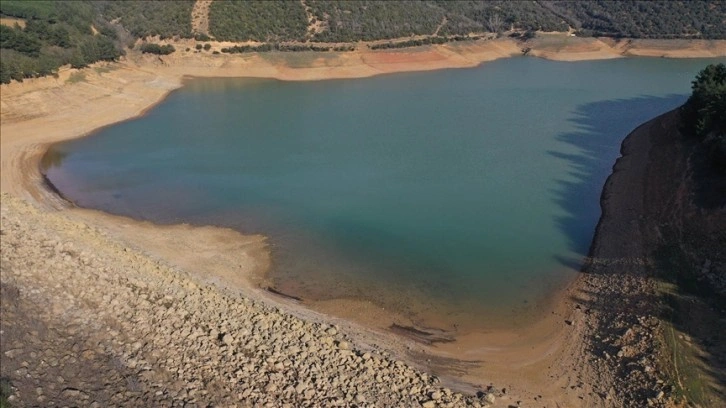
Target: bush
{"points": [[56, 33], [202, 37], [269, 21], [153, 48], [19, 40], [148, 18], [643, 19], [207, 47]]}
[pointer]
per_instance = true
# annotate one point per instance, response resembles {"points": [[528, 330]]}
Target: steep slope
{"points": [[661, 340]]}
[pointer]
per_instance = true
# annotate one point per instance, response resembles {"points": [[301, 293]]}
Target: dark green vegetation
{"points": [[705, 112], [56, 33], [151, 48], [373, 20], [643, 19], [367, 20], [498, 16], [268, 21], [145, 18], [422, 41], [5, 392], [81, 32], [239, 49]]}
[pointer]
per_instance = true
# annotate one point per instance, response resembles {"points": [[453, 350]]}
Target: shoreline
{"points": [[628, 332], [115, 92]]}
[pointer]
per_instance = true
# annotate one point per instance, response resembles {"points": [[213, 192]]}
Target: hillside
{"points": [[684, 229], [659, 250], [38, 37]]}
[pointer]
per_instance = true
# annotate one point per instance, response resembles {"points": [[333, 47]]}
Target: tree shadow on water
{"points": [[693, 326], [600, 129]]}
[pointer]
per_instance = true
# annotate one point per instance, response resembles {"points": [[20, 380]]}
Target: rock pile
{"points": [[89, 322]]}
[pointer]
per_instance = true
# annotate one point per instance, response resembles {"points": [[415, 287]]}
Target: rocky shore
{"points": [[617, 290], [623, 288], [87, 321]]}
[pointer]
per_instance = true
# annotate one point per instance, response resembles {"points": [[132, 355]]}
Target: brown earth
{"points": [[11, 21], [200, 17]]}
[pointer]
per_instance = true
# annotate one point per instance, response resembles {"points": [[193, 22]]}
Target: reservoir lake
{"points": [[459, 199]]}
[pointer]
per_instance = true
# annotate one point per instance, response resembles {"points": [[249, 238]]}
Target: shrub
{"points": [[152, 48], [146, 18]]}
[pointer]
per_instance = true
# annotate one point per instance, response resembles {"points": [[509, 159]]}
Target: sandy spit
{"points": [[548, 363]]}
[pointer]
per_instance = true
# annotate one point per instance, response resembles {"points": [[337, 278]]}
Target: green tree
{"points": [[18, 40], [151, 48], [705, 110], [5, 76], [704, 114]]}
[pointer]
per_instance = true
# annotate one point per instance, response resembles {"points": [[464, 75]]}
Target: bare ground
{"points": [[200, 17]]}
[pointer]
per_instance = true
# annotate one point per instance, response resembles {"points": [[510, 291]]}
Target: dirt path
{"points": [[200, 17], [12, 21], [315, 26], [440, 26]]}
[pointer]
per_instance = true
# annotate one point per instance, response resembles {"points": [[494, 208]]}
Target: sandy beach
{"points": [[548, 363]]}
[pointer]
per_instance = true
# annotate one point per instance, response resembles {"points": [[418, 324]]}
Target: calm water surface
{"points": [[471, 194]]}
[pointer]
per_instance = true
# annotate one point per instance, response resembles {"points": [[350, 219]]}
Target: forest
{"points": [[56, 33], [644, 19], [368, 20], [80, 32], [271, 21], [148, 18]]}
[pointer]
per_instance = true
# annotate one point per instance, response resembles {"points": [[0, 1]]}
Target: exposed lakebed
{"points": [[459, 198]]}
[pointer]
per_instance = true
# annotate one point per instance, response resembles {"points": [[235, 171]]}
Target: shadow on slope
{"points": [[617, 289], [601, 128]]}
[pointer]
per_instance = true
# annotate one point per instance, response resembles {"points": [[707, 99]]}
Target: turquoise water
{"points": [[458, 193]]}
